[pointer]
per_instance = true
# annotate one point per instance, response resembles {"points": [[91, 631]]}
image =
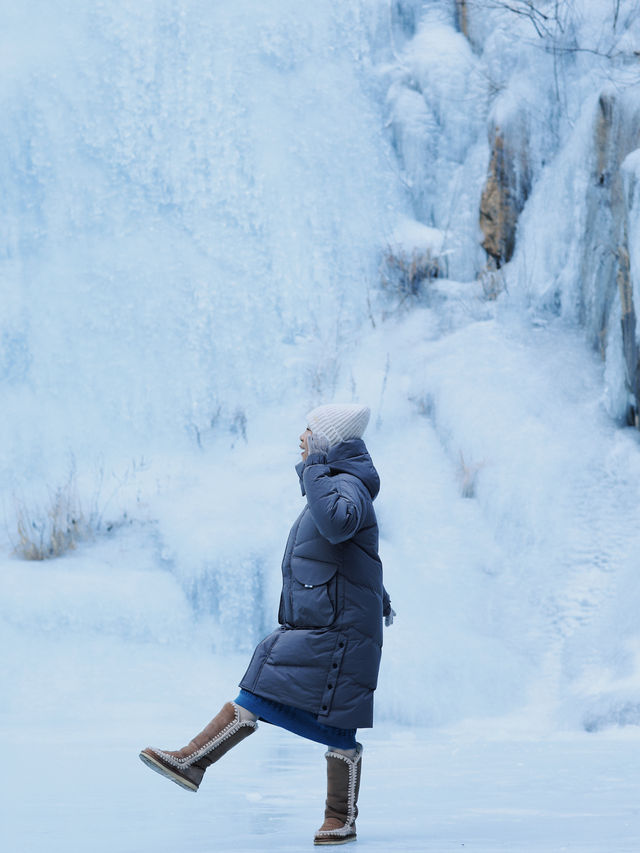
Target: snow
{"points": [[410, 236], [197, 201], [436, 101], [505, 522]]}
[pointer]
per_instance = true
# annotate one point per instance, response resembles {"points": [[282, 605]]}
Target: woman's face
{"points": [[303, 443]]}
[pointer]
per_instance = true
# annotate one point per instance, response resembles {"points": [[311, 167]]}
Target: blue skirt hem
{"points": [[302, 723]]}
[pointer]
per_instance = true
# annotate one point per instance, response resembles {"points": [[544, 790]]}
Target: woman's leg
{"points": [[186, 766], [350, 753], [246, 716], [343, 787]]}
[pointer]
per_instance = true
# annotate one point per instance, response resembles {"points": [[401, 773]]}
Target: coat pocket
{"points": [[313, 592]]}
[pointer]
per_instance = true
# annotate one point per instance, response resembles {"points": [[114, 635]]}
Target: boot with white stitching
{"points": [[186, 766], [343, 786]]}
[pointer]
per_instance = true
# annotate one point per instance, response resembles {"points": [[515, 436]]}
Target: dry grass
{"points": [[406, 275], [468, 476], [52, 526], [492, 282]]}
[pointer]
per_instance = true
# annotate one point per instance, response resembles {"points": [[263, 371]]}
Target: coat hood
{"points": [[350, 457]]}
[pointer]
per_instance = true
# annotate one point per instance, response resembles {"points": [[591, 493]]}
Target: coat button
{"points": [[330, 686], [324, 707], [334, 665], [341, 645]]}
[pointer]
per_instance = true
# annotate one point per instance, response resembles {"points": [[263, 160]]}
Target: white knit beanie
{"points": [[339, 421]]}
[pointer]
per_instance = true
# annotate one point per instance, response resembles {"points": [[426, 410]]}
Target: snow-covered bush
{"points": [[414, 257], [492, 282], [407, 274]]}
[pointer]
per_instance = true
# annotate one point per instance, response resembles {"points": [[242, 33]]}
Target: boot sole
{"points": [[322, 843], [152, 764]]}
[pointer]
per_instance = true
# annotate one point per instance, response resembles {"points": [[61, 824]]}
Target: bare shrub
{"points": [[492, 282], [52, 528], [468, 476], [425, 405], [555, 23], [406, 274], [56, 524]]}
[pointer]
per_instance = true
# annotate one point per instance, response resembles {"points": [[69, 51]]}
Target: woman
{"points": [[316, 674]]}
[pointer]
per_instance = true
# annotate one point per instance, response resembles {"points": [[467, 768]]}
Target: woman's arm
{"points": [[337, 503]]}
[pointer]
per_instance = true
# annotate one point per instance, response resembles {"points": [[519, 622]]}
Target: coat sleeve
{"points": [[337, 503]]}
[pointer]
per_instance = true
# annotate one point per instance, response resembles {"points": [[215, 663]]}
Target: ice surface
{"points": [[74, 780]]}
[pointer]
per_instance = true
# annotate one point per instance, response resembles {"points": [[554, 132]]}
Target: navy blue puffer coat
{"points": [[325, 656]]}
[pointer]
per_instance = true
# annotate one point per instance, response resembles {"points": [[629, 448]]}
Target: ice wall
{"points": [[549, 167], [200, 205], [193, 198]]}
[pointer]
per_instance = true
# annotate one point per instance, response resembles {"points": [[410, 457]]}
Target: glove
{"points": [[317, 443], [388, 619]]}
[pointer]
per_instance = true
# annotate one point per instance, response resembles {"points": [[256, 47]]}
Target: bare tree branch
{"points": [[616, 12], [553, 29]]}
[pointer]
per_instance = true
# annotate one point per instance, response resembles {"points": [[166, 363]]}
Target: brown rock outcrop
{"points": [[504, 195], [462, 17]]}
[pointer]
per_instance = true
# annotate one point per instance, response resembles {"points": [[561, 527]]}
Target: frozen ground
{"points": [[73, 782]]}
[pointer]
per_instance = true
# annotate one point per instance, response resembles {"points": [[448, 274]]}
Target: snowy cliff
{"points": [[519, 116]]}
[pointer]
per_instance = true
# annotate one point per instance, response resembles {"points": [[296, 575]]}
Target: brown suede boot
{"points": [[343, 786], [186, 766]]}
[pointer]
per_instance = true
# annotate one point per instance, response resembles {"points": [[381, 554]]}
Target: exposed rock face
{"points": [[628, 281], [606, 273], [462, 17], [629, 340], [605, 216], [505, 192]]}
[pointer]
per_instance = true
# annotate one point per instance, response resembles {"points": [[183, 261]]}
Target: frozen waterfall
{"points": [[215, 216]]}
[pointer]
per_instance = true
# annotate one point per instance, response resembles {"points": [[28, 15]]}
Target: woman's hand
{"points": [[317, 443], [313, 442]]}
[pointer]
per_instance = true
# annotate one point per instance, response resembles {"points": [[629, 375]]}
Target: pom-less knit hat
{"points": [[339, 421]]}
